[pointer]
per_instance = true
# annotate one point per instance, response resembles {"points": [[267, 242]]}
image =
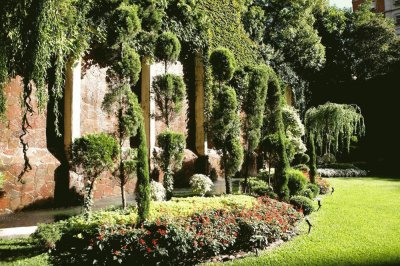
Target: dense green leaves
{"points": [[143, 178], [333, 125], [167, 47], [170, 94], [223, 64], [92, 155], [225, 131], [170, 158]]}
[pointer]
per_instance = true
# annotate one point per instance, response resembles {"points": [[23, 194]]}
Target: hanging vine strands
{"points": [[333, 125]]}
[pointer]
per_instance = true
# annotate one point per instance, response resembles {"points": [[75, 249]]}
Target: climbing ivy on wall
{"points": [[227, 30]]}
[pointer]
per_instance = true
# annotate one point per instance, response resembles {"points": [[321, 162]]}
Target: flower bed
{"points": [[178, 240]]}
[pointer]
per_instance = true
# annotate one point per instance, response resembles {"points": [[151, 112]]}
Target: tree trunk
{"points": [[123, 197], [228, 180], [88, 201]]}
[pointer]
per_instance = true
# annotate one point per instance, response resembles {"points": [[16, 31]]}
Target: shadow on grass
{"points": [[13, 250]]}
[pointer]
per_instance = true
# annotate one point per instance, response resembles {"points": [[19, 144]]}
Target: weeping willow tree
{"points": [[330, 127]]}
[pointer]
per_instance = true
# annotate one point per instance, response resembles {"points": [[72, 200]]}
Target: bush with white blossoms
{"points": [[157, 191], [200, 184], [351, 172]]}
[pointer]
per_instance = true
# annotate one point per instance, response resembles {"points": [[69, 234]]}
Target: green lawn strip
{"points": [[21, 252], [358, 225]]}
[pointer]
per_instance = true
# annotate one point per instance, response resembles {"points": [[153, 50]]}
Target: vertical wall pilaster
{"points": [[72, 103], [201, 137], [148, 104]]}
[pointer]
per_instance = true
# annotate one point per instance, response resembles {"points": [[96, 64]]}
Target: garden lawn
{"points": [[358, 225]]}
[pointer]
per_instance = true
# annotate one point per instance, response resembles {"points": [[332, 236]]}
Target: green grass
{"points": [[358, 225], [21, 252]]}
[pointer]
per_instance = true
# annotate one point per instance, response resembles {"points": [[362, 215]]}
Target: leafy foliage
{"points": [[302, 203], [225, 130], [359, 45], [170, 93], [143, 178], [170, 158], [167, 47], [92, 155], [123, 103], [274, 134], [201, 184], [333, 125], [253, 106], [296, 181], [188, 239], [223, 64], [294, 130], [157, 190]]}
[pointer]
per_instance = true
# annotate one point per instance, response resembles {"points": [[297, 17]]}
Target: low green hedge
{"points": [[302, 203]]}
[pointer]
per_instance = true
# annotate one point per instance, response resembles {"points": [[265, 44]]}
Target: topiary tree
{"points": [[143, 179], [123, 103], [167, 48], [330, 127], [91, 155], [223, 64], [253, 105], [225, 120], [274, 133], [172, 146], [170, 93], [313, 158]]}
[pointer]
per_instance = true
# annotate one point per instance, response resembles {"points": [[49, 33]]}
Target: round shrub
{"points": [[157, 191], [307, 193], [223, 64], [302, 203], [259, 187], [201, 184], [296, 182], [125, 22], [167, 47], [314, 188]]}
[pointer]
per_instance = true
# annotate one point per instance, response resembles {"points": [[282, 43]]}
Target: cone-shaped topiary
{"points": [[223, 64]]}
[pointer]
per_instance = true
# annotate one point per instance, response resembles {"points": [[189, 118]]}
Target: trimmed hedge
{"points": [[297, 181], [302, 203]]}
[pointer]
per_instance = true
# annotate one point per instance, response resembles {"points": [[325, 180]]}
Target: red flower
{"points": [[117, 252], [162, 232], [142, 242], [154, 241], [149, 250]]}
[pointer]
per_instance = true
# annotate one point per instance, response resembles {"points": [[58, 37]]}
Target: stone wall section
{"points": [[37, 186]]}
